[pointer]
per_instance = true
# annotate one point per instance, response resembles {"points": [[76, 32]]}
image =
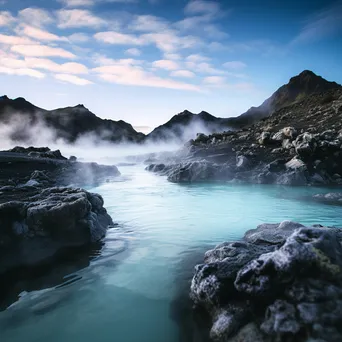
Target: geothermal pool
{"points": [[128, 292]]}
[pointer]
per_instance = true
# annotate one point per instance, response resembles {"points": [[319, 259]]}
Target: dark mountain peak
{"points": [[185, 112], [80, 106], [4, 98], [300, 86]]}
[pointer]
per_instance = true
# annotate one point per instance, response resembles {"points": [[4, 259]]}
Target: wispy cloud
{"points": [[117, 38], [134, 75], [71, 18], [77, 3], [41, 51], [214, 80], [235, 65], [88, 3], [72, 79], [13, 40], [149, 23], [202, 7], [6, 18], [325, 23], [133, 52], [22, 72], [166, 64], [39, 34], [35, 16], [182, 73], [78, 37]]}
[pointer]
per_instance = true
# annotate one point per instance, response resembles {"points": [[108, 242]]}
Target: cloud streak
{"points": [[323, 24]]}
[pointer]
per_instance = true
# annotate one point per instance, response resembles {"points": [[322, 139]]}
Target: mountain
{"points": [[185, 125], [300, 86], [68, 123]]}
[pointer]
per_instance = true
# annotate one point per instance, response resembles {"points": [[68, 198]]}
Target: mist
{"points": [[20, 131]]}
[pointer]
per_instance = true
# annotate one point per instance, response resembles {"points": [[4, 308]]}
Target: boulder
{"points": [[40, 228], [281, 280], [265, 138]]}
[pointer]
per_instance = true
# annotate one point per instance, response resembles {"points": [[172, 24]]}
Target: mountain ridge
{"points": [[71, 123]]}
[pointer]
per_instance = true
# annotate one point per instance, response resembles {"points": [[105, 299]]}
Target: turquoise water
{"points": [[126, 292]]}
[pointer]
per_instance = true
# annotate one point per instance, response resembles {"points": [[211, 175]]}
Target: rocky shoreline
{"points": [[298, 145], [282, 282], [42, 218]]}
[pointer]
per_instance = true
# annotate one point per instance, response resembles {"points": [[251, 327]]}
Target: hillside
{"points": [[300, 86], [68, 123]]}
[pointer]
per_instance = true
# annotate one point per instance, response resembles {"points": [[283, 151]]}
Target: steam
{"points": [[21, 130]]}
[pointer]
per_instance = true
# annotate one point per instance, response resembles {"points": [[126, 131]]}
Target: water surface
{"points": [[126, 292]]}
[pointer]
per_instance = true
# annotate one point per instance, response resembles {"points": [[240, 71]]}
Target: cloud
{"points": [[88, 3], [165, 64], [105, 61], [39, 34], [22, 72], [135, 75], [202, 7], [35, 16], [78, 18], [14, 40], [214, 80], [65, 68], [148, 23], [43, 63], [77, 3], [183, 73], [204, 68], [235, 65], [325, 23], [72, 79], [133, 52], [78, 37], [170, 41], [196, 58], [116, 38], [173, 56], [6, 18], [41, 51]]}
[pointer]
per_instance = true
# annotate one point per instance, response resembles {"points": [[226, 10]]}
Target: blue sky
{"points": [[145, 60]]}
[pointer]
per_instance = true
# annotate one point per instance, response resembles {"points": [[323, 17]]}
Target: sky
{"points": [[143, 61]]}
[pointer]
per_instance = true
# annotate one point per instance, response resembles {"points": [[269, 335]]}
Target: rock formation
{"points": [[282, 282]]}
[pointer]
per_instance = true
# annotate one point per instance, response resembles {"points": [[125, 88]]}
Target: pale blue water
{"points": [[125, 294]]}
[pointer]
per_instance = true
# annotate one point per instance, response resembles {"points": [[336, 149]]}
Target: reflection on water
{"points": [[136, 289]]}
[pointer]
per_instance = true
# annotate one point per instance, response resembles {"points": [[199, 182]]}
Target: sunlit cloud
{"points": [[14, 40], [182, 73], [135, 75], [214, 80], [202, 7], [72, 79], [6, 18], [22, 72], [39, 34], [166, 64], [41, 51], [116, 38]]}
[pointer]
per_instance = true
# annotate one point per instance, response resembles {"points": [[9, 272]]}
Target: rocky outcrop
{"points": [[281, 282], [37, 230], [297, 145]]}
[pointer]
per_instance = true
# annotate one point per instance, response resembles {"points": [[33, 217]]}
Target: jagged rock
{"points": [[72, 158], [35, 230], [281, 280], [295, 164], [242, 162], [265, 138]]}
